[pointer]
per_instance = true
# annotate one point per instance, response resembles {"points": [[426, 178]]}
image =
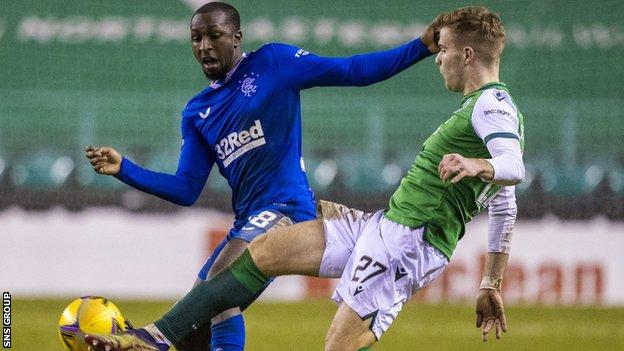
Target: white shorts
{"points": [[380, 263]]}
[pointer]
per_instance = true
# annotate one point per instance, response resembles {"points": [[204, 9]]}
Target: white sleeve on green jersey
{"points": [[495, 120], [495, 116], [501, 218], [506, 161]]}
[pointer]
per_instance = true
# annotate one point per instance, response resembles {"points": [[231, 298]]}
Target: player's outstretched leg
{"points": [[291, 250], [232, 287], [227, 330]]}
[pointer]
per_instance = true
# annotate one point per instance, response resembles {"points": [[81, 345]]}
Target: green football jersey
{"points": [[422, 199]]}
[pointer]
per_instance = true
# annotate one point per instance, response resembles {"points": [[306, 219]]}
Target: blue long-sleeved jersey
{"points": [[250, 126]]}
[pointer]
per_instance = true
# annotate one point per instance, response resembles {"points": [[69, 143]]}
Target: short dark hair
{"points": [[233, 18]]}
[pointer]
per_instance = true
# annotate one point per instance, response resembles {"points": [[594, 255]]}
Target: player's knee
{"points": [[229, 254], [349, 335]]}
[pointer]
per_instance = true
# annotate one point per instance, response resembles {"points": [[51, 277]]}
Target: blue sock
{"points": [[229, 335]]}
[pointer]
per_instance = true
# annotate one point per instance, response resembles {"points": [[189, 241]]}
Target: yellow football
{"points": [[89, 314]]}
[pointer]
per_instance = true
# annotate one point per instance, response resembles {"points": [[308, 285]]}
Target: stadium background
{"points": [[118, 73]]}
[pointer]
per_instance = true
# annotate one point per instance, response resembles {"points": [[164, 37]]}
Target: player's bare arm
{"points": [[455, 167], [489, 307], [105, 160]]}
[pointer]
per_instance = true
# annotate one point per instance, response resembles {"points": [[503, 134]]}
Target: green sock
{"points": [[364, 349], [235, 286]]}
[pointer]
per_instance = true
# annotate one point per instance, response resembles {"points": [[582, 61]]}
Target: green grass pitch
{"points": [[302, 326]]}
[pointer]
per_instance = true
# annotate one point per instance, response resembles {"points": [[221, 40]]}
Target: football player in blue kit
{"points": [[248, 123]]}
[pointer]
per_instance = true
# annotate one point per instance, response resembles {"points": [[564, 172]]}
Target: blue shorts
{"points": [[257, 224]]}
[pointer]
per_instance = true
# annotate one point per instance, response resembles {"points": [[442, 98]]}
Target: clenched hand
{"points": [[455, 167]]}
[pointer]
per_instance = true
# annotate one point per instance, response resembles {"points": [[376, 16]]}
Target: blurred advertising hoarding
{"points": [[117, 253]]}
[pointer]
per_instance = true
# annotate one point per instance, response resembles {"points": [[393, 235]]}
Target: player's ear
{"points": [[469, 54], [238, 38]]}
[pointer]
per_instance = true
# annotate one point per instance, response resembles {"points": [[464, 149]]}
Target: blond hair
{"points": [[477, 27]]}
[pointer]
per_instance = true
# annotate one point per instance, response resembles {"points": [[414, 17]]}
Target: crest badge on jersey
{"points": [[500, 95], [248, 84]]}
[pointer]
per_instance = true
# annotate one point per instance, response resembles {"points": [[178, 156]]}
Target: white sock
{"points": [[157, 335]]}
